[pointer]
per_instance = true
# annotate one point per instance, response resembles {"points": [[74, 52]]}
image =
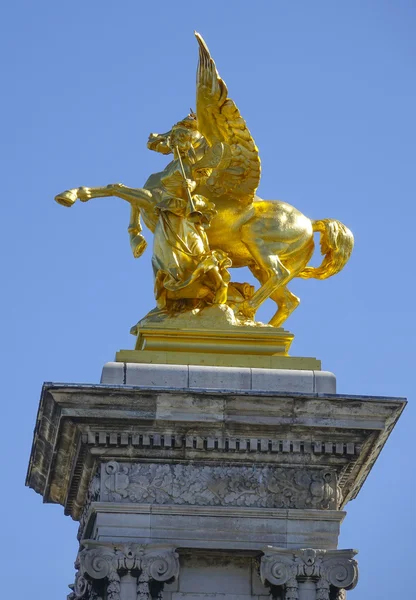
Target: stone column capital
{"points": [[101, 567], [329, 569]]}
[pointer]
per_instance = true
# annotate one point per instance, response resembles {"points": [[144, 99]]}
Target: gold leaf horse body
{"points": [[272, 238]]}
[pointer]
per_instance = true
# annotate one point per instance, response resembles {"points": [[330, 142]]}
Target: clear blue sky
{"points": [[328, 89]]}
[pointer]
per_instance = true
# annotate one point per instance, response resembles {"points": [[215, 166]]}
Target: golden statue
{"points": [[206, 216]]}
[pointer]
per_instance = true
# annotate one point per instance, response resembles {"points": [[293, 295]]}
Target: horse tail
{"points": [[337, 243]]}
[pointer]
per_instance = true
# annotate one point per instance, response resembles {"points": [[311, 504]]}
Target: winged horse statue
{"points": [[270, 237]]}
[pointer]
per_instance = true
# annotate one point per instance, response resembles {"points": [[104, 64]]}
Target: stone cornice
{"points": [[78, 425]]}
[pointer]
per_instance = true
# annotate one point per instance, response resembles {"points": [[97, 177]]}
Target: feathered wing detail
{"points": [[219, 120]]}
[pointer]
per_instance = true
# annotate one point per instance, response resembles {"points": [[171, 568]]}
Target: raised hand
{"points": [[189, 184]]}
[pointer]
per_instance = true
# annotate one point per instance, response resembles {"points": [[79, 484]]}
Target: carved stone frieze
{"points": [[101, 568], [189, 484], [332, 571]]}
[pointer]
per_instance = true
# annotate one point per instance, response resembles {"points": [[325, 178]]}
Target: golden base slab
{"points": [[219, 360], [213, 337], [263, 341]]}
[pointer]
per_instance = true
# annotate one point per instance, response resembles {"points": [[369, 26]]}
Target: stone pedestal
{"points": [[193, 481]]}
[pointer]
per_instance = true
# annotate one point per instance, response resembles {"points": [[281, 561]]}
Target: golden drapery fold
{"points": [[184, 266]]}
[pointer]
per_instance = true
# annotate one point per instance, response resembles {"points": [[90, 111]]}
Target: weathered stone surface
{"points": [[78, 426], [218, 378], [226, 528], [214, 575], [207, 485], [129, 571], [329, 571], [165, 476], [110, 570]]}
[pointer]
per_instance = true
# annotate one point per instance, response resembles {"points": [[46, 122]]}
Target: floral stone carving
{"points": [[263, 487]]}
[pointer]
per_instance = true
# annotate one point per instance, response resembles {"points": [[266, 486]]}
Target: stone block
{"points": [[215, 532], [299, 382], [204, 377], [213, 528], [121, 527], [325, 382], [220, 378], [319, 533], [113, 374], [226, 574], [170, 376], [282, 380]]}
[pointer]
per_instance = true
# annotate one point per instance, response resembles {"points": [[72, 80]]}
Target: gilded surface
{"points": [[206, 217]]}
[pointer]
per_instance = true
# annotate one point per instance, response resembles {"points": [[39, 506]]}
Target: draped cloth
{"points": [[182, 258]]}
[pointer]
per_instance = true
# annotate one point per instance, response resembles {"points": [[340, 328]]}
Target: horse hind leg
{"points": [[272, 275], [287, 302]]}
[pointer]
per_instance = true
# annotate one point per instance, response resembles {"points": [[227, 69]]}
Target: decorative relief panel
{"points": [[188, 484]]}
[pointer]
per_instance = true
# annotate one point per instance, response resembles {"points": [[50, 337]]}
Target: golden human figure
{"points": [[186, 270], [221, 160]]}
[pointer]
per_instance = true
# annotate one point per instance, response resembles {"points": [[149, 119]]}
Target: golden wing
{"points": [[219, 120]]}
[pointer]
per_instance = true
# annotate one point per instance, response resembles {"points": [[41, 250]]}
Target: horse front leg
{"points": [[69, 197], [138, 197]]}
